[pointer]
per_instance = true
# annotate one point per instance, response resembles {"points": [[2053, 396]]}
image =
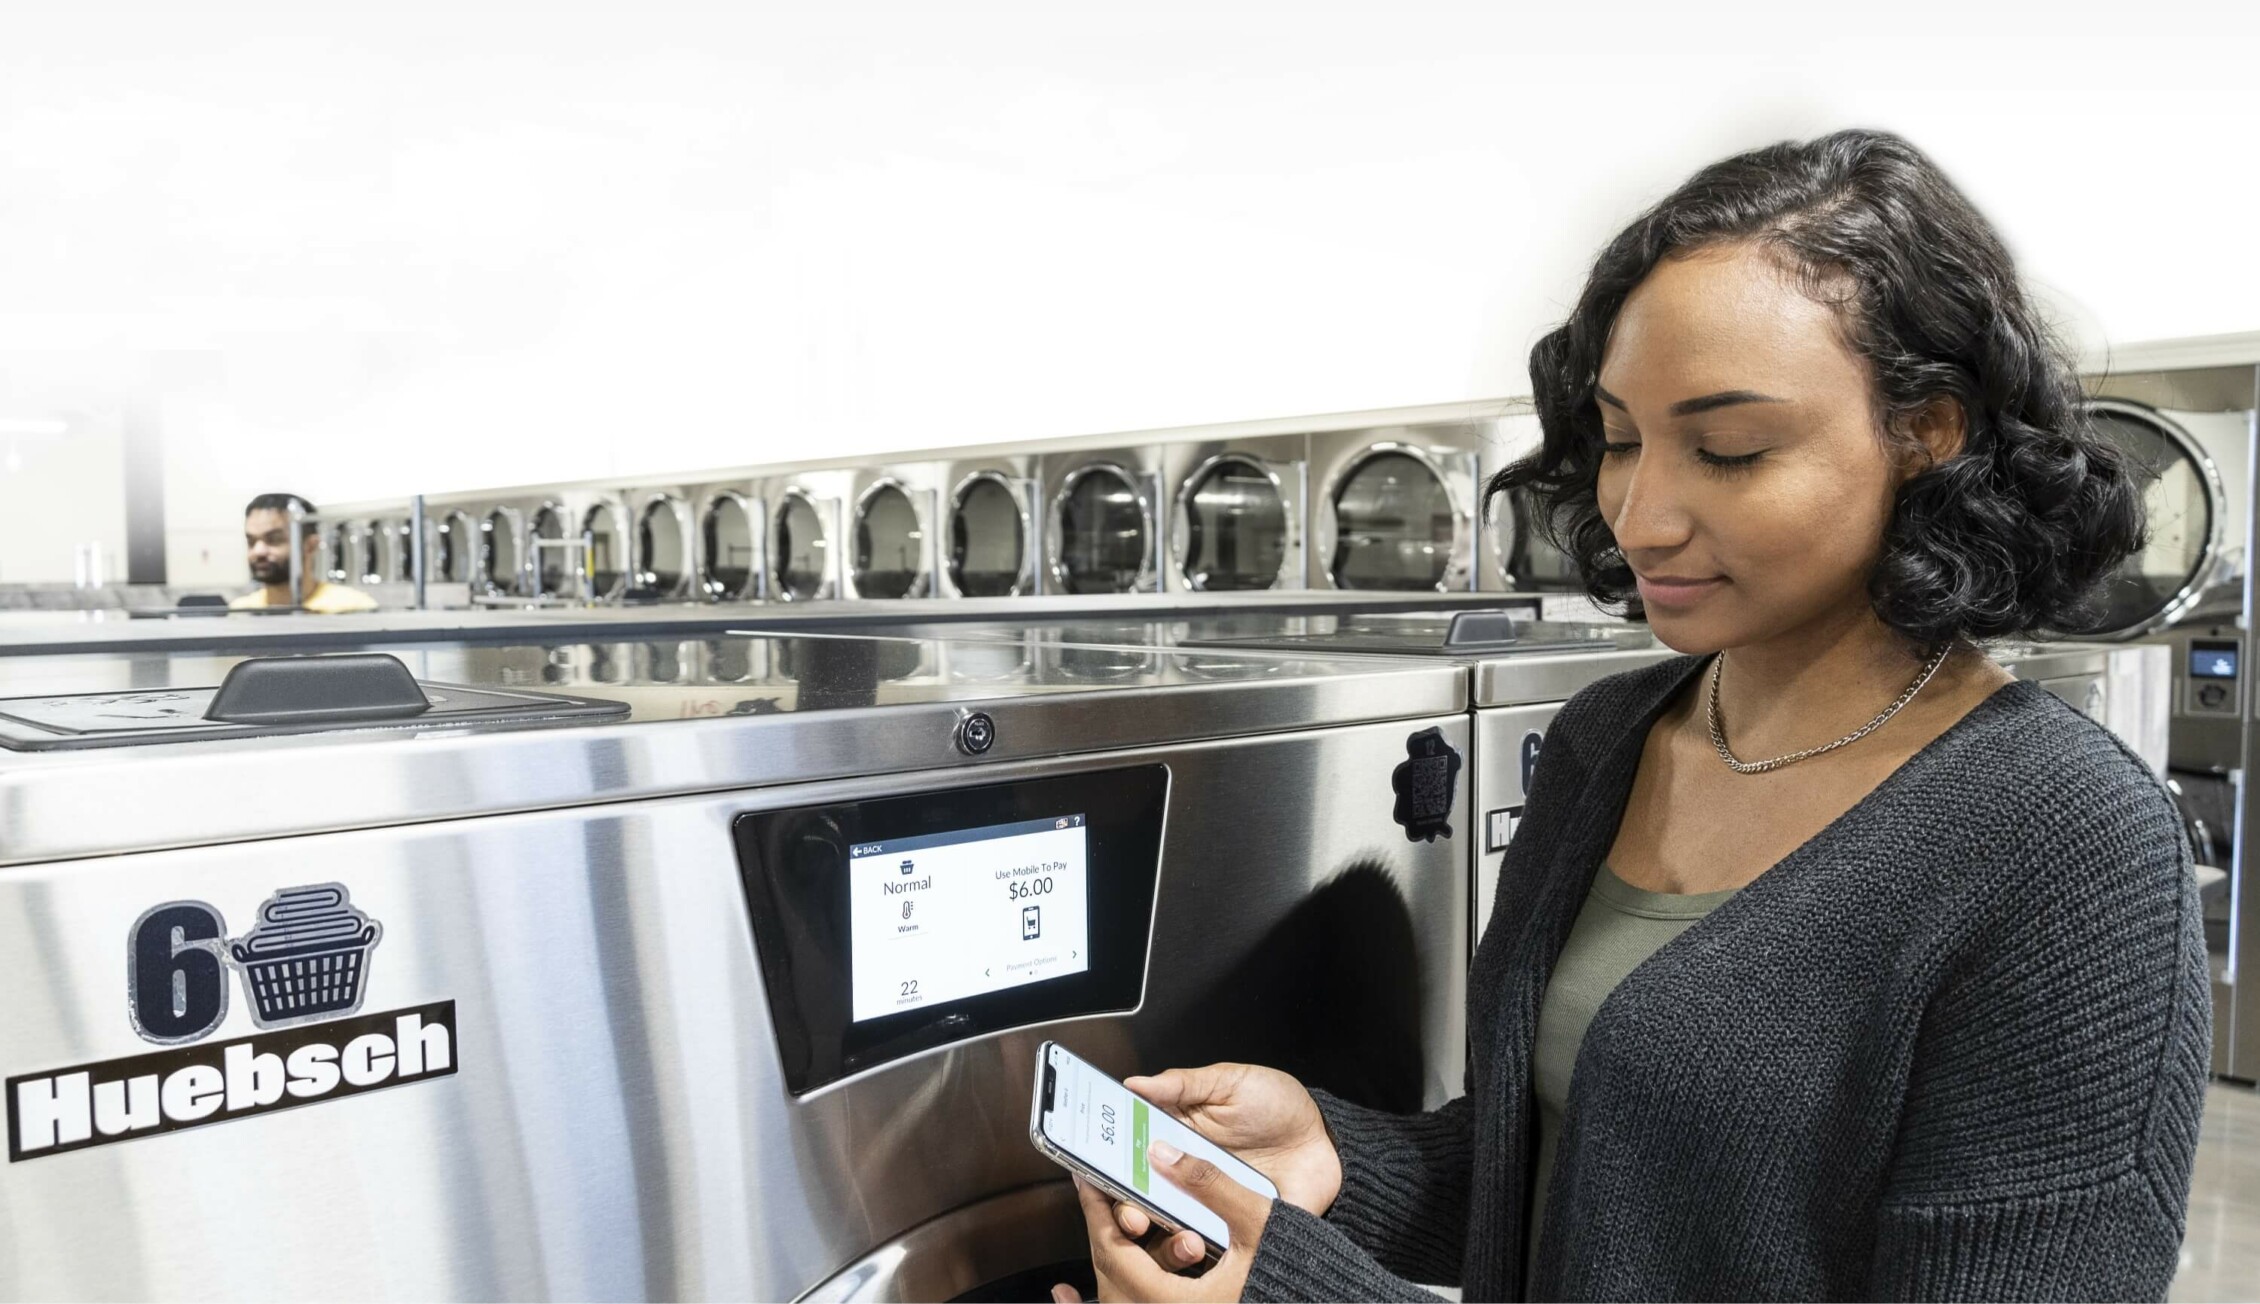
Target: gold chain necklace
{"points": [[1718, 735]]}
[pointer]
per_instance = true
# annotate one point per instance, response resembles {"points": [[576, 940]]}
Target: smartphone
{"points": [[1088, 1123]]}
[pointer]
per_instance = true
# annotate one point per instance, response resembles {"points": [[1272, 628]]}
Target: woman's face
{"points": [[1744, 475]]}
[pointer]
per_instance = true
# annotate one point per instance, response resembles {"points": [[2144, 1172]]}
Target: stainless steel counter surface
{"points": [[706, 715], [47, 633]]}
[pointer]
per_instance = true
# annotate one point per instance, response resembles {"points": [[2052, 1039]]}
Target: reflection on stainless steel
{"points": [[890, 544], [726, 533], [1236, 527], [1035, 1232], [1105, 532], [988, 538], [800, 556], [1395, 524]]}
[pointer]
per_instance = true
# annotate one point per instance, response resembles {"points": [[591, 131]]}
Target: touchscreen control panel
{"points": [[943, 915], [894, 925]]}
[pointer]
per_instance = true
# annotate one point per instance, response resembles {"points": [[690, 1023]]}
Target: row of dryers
{"points": [[1392, 507]]}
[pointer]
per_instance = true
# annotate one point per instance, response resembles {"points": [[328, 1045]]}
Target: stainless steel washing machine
{"points": [[1238, 516], [728, 1006], [1395, 507], [1106, 527], [993, 544]]}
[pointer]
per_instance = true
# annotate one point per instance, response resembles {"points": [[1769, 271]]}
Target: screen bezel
{"points": [[794, 867]]}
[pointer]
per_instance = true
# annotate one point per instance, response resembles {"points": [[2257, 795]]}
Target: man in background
{"points": [[266, 535]]}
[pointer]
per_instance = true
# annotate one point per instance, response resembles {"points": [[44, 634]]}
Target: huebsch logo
{"points": [[304, 969]]}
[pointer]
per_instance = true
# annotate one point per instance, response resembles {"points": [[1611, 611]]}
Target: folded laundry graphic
{"points": [[308, 958]]}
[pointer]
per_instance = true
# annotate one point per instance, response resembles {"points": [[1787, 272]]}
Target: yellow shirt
{"points": [[327, 599]]}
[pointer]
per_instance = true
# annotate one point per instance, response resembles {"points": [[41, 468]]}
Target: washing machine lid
{"points": [[2183, 495]]}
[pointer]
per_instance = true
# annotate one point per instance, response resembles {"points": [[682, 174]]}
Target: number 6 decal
{"points": [[176, 981]]}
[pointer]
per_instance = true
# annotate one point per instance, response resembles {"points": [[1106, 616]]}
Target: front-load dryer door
{"points": [[2185, 504], [1238, 525], [1402, 521]]}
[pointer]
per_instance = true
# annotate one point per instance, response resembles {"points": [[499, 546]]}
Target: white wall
{"points": [[434, 246]]}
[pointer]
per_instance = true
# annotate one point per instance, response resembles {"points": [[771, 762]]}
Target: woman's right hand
{"points": [[1262, 1115]]}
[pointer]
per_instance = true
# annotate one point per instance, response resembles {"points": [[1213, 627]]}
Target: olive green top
{"points": [[1618, 927]]}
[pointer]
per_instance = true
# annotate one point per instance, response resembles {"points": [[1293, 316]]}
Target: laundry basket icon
{"points": [[309, 956]]}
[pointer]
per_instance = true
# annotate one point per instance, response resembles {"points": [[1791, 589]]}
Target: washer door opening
{"points": [[1105, 533], [726, 531], [800, 549], [2183, 498], [663, 568], [606, 548], [499, 561]]}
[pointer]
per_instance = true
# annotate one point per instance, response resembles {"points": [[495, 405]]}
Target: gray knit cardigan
{"points": [[1953, 1047]]}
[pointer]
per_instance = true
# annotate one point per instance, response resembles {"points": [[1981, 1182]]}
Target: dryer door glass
{"points": [[727, 533], [457, 546], [402, 534], [1104, 542], [1393, 525], [889, 545], [2152, 585], [373, 554], [607, 551], [663, 566], [551, 572], [340, 554], [800, 549], [498, 552], [1532, 563], [988, 541], [1235, 528]]}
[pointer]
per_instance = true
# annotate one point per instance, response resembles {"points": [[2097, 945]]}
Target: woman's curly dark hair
{"points": [[2012, 535]]}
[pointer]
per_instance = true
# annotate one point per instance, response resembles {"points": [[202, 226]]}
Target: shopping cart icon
{"points": [[308, 958]]}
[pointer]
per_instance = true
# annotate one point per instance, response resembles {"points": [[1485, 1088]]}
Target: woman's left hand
{"points": [[1127, 1272]]}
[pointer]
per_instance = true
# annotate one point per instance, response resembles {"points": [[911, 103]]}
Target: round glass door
{"points": [[401, 535], [1235, 527], [2182, 496], [988, 540], [498, 551], [727, 533], [339, 565], [661, 550], [607, 550], [1105, 541], [551, 572], [456, 546], [1528, 561], [890, 546], [373, 554], [1393, 525], [800, 549]]}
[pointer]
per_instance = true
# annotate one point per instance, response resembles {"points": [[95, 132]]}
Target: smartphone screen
{"points": [[1098, 1121]]}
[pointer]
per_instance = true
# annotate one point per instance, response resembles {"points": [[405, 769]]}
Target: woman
{"points": [[1880, 973]]}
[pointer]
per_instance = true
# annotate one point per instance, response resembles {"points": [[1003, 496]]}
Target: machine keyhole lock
{"points": [[976, 732]]}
